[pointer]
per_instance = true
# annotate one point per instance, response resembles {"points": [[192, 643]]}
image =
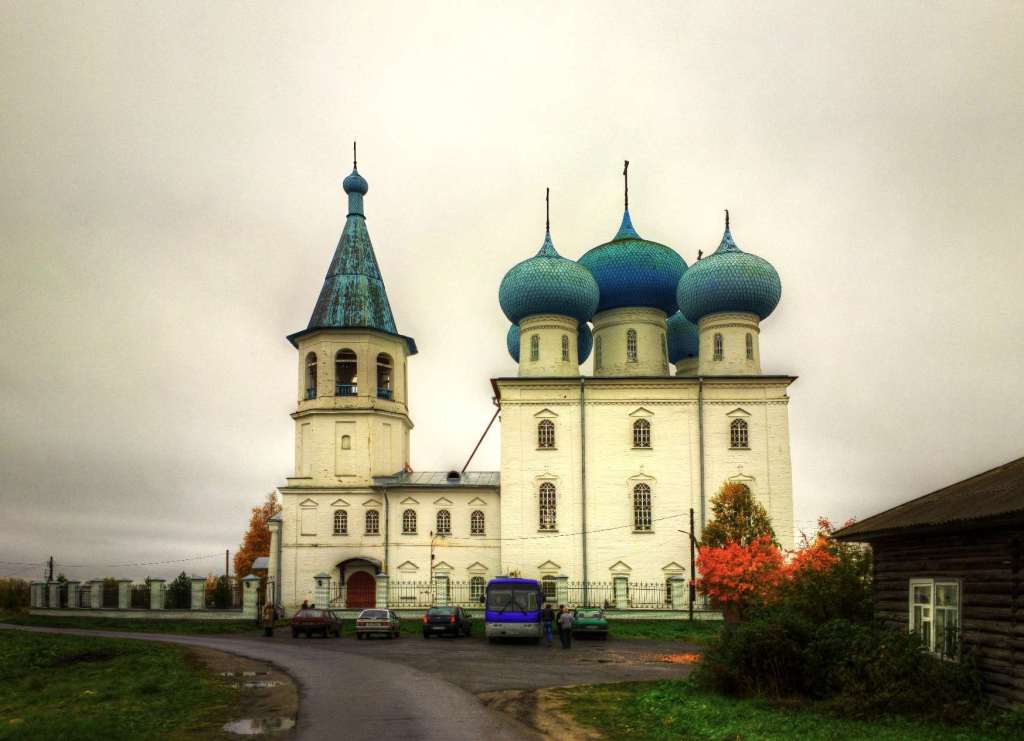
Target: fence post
{"points": [[198, 592], [156, 593], [561, 590], [124, 594], [73, 593], [680, 596], [621, 592], [382, 591], [250, 596], [53, 589], [322, 589], [96, 594]]}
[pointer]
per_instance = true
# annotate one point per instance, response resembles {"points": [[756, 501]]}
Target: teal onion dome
{"points": [[584, 342], [632, 271], [729, 280], [548, 284], [683, 339], [355, 183]]}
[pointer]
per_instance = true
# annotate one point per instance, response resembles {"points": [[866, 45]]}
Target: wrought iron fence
{"points": [[139, 596], [177, 597], [590, 594], [410, 594], [224, 595], [62, 594], [647, 595], [110, 593], [84, 596]]}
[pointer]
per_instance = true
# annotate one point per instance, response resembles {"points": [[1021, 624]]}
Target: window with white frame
{"points": [[631, 346], [477, 585], [548, 586], [444, 522], [597, 353], [718, 347], [372, 522], [546, 434], [534, 348], [548, 514], [340, 522], [565, 348], [750, 346], [409, 522], [935, 615], [641, 508], [476, 523], [641, 434], [739, 436]]}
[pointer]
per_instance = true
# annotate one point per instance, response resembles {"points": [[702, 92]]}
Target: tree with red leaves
{"points": [[738, 577], [256, 541]]}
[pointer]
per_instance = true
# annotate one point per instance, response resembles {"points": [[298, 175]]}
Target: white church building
{"points": [[598, 473]]}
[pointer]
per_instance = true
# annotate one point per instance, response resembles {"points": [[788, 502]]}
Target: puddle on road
{"points": [[259, 726]]}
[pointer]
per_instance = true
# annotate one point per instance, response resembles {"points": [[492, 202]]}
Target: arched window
{"points": [[641, 508], [372, 522], [548, 586], [340, 522], [546, 434], [641, 434], [718, 347], [409, 522], [311, 376], [444, 522], [597, 353], [346, 442], [548, 514], [345, 380], [738, 437], [477, 584], [750, 346], [476, 523], [384, 376], [534, 348], [565, 348], [631, 346]]}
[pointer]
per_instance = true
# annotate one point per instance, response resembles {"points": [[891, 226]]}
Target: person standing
{"points": [[268, 620], [547, 619], [565, 621]]}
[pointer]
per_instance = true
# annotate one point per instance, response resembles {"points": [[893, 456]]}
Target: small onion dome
{"points": [[632, 271], [512, 342], [682, 338], [355, 183], [548, 284], [729, 280]]}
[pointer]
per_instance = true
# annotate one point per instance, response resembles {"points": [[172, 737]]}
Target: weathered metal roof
{"points": [[439, 479], [261, 564], [989, 494]]}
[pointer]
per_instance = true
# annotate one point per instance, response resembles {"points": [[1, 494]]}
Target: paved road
{"points": [[350, 695]]}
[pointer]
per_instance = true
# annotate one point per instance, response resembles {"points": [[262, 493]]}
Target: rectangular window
{"points": [[935, 615]]}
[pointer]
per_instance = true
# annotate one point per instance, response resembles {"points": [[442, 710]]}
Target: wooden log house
{"points": [[949, 564]]}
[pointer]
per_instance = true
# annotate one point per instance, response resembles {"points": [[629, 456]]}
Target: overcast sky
{"points": [[170, 200]]}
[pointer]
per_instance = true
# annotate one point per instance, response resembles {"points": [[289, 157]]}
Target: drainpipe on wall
{"points": [[387, 528], [700, 436], [278, 588], [583, 484]]}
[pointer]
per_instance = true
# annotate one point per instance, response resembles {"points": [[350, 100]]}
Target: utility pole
{"points": [[50, 577], [693, 568], [228, 573]]}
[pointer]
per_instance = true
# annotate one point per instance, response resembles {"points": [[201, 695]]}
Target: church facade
{"points": [[598, 473]]}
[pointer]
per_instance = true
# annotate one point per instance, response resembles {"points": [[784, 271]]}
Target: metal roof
{"points": [[439, 479], [261, 563], [989, 494]]}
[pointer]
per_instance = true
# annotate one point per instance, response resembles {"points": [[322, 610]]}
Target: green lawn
{"points": [[144, 626], [58, 686], [679, 710], [698, 632]]}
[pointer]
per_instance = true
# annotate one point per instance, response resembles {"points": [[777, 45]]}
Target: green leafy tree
{"points": [[179, 592], [736, 518]]}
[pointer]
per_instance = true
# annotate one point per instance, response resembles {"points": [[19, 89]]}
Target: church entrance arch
{"points": [[361, 590]]}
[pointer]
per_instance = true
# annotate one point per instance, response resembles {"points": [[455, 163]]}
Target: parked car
{"points": [[590, 623], [378, 622], [452, 621], [310, 620]]}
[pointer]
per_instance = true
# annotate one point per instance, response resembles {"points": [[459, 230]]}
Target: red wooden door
{"points": [[361, 590]]}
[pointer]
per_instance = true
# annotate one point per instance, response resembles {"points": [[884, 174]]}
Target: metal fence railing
{"points": [[139, 597], [62, 594], [590, 594], [110, 594], [225, 594], [178, 597], [84, 596]]}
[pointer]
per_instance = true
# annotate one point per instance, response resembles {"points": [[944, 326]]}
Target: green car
{"points": [[589, 623]]}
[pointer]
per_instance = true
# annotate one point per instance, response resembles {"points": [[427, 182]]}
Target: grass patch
{"points": [[679, 709], [58, 686], [698, 632], [133, 625]]}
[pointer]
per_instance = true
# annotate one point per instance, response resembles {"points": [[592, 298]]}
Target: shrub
{"points": [[14, 594], [739, 577], [179, 592]]}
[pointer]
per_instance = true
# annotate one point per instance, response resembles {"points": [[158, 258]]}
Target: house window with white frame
{"points": [[642, 521], [546, 434], [476, 523], [935, 615], [548, 514], [565, 348], [548, 586], [739, 436], [641, 434], [372, 522], [409, 522], [444, 522], [340, 522], [631, 346]]}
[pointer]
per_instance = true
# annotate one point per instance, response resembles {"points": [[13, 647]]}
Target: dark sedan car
{"points": [[310, 621], [452, 621]]}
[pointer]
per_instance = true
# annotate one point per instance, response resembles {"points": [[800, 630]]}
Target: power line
{"points": [[141, 563]]}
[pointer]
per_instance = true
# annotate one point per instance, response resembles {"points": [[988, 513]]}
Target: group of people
{"points": [[562, 621]]}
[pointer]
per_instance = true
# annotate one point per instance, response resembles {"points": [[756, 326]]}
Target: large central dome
{"points": [[632, 271]]}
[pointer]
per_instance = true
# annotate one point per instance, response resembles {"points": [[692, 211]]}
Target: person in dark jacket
{"points": [[268, 620], [565, 621], [547, 619]]}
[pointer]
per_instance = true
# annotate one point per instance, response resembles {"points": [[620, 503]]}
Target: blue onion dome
{"points": [[548, 284], [584, 343], [729, 280], [682, 338], [632, 271], [512, 342], [355, 183]]}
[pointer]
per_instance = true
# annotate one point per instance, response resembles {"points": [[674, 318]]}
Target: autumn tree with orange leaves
{"points": [[256, 541]]}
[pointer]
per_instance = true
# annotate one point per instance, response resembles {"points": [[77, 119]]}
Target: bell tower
{"points": [[352, 415]]}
